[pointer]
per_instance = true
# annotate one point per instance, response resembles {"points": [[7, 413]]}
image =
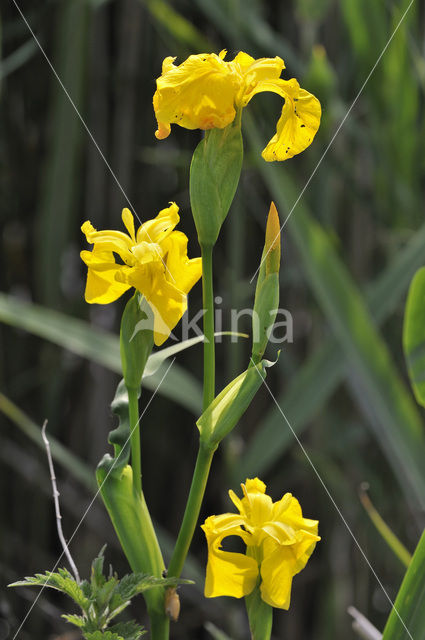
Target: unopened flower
{"points": [[154, 261], [279, 542], [206, 91]]}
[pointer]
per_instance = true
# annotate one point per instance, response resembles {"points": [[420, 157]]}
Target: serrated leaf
{"points": [[128, 630], [78, 621], [61, 581], [100, 635], [97, 577], [134, 583]]}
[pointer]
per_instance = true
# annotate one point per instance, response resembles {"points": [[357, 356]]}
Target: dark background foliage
{"points": [[350, 247]]}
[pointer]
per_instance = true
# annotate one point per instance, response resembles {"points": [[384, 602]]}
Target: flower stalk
{"points": [[209, 340]]}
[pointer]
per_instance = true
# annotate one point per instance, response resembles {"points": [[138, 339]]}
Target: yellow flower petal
{"points": [[278, 539], [197, 94], [203, 92], [159, 228], [180, 271], [128, 219], [277, 571], [102, 286], [155, 263], [228, 573], [109, 240], [168, 303], [298, 123], [255, 71]]}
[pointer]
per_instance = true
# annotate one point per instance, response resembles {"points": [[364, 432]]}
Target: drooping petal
{"points": [[197, 94], [228, 573], [167, 302], [180, 271], [298, 123], [102, 286], [277, 570]]}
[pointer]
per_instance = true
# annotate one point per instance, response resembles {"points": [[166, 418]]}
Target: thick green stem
{"points": [[160, 626], [159, 622], [209, 345], [205, 454], [193, 507], [133, 410]]}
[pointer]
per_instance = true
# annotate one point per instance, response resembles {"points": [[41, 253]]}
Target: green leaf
{"points": [[409, 610], [260, 615], [134, 583], [97, 345], [78, 621], [414, 335], [227, 408], [61, 581], [159, 357], [128, 630], [103, 635], [97, 577], [214, 177]]}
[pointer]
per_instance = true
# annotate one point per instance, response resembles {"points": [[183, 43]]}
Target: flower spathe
{"points": [[154, 261], [206, 91], [279, 542]]}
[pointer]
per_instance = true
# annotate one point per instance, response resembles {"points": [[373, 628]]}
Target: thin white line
{"points": [[94, 498], [85, 125], [333, 501], [334, 136]]}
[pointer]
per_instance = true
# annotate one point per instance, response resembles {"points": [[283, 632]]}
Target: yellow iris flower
{"points": [[154, 261], [205, 92], [279, 543]]}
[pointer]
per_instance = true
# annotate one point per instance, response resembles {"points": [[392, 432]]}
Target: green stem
{"points": [[159, 627], [193, 507], [159, 622], [133, 409], [205, 454], [209, 345]]}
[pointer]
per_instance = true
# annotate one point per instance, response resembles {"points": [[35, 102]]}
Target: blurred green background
{"points": [[350, 248]]}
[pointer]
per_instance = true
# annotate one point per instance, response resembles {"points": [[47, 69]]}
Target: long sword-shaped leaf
{"points": [[99, 346], [374, 381], [407, 618], [414, 335]]}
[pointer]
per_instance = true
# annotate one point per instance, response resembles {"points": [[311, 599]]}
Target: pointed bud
{"points": [[267, 291], [272, 243]]}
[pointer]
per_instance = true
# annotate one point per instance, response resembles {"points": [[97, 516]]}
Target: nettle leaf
{"points": [[61, 581], [128, 630], [103, 635], [97, 577], [134, 583], [78, 621]]}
